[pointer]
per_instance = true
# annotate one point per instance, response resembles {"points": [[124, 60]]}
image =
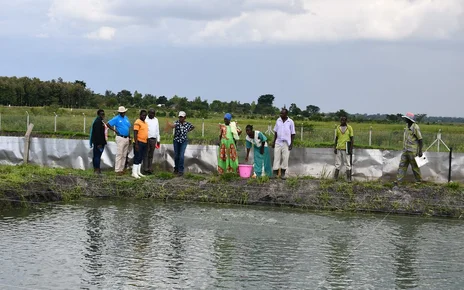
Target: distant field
{"points": [[70, 124]]}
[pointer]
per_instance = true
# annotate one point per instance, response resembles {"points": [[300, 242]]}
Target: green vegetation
{"points": [[316, 134], [27, 185], [73, 105]]}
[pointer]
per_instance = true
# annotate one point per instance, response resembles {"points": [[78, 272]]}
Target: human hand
{"points": [[420, 153], [273, 144], [290, 147], [246, 159], [261, 150], [335, 151]]}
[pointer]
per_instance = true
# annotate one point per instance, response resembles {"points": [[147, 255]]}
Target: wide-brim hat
{"points": [[122, 109], [409, 116], [182, 114]]}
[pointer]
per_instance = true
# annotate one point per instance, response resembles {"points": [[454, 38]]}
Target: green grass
{"points": [[70, 124]]}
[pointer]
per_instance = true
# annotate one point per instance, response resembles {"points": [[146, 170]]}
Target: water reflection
{"points": [[95, 244], [148, 245], [339, 268], [405, 255]]}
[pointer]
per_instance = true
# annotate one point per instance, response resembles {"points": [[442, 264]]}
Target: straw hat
{"points": [[122, 109]]}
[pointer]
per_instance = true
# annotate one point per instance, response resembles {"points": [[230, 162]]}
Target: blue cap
{"points": [[228, 116]]}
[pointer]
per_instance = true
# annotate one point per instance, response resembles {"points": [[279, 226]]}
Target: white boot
{"points": [[139, 170], [135, 170]]}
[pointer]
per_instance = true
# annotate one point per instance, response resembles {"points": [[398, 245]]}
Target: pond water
{"points": [[120, 244]]}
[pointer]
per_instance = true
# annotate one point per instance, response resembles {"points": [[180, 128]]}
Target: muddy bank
{"points": [[28, 185]]}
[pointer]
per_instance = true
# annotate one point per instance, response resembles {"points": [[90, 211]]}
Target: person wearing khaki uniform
{"points": [[412, 147]]}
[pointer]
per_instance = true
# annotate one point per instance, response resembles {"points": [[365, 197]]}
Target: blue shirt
{"points": [[122, 124]]}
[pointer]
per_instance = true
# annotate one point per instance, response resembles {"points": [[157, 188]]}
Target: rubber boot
{"points": [[348, 175], [282, 174], [336, 173], [135, 171], [139, 170]]}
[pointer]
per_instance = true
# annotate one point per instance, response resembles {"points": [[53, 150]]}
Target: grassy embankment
{"points": [[70, 124], [27, 185]]}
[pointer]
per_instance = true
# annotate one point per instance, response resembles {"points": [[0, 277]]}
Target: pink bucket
{"points": [[245, 170]]}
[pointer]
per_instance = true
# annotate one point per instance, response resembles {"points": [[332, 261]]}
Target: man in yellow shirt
{"points": [[343, 147], [140, 143]]}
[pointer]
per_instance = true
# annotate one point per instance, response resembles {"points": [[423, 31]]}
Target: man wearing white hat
{"points": [[412, 147], [123, 125]]}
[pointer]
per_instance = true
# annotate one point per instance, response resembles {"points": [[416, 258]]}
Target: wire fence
{"points": [[207, 132]]}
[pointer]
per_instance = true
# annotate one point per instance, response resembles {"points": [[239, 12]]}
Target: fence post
{"points": [[27, 143], [370, 136], [203, 128], [84, 121], [55, 120], [269, 130], [301, 131], [0, 121], [27, 121], [449, 168], [439, 140]]}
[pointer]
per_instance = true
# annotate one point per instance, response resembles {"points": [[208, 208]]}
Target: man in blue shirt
{"points": [[122, 125]]}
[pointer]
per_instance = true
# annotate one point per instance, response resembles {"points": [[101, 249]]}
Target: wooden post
{"points": [[302, 131], [203, 128], [370, 136], [27, 142]]}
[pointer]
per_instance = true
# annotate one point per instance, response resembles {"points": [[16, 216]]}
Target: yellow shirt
{"points": [[142, 130], [343, 137]]}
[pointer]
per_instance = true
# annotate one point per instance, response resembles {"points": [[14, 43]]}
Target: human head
{"points": [[343, 120], [143, 115], [249, 131], [101, 113], [151, 113], [122, 111], [284, 113], [182, 116], [409, 118], [227, 118]]}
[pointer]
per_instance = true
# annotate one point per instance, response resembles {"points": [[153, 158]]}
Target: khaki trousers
{"points": [[281, 154], [122, 148], [342, 157]]}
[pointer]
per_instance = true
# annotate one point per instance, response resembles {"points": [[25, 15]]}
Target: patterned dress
{"points": [[227, 157]]}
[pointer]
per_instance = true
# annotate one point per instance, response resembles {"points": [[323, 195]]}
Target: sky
{"points": [[363, 56]]}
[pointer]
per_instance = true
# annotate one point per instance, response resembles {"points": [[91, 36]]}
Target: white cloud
{"points": [[332, 20], [103, 33], [242, 21]]}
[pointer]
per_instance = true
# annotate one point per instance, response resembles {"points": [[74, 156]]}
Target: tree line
{"points": [[25, 91]]}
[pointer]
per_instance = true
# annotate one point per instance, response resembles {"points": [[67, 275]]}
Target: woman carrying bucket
{"points": [[261, 155], [227, 157]]}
